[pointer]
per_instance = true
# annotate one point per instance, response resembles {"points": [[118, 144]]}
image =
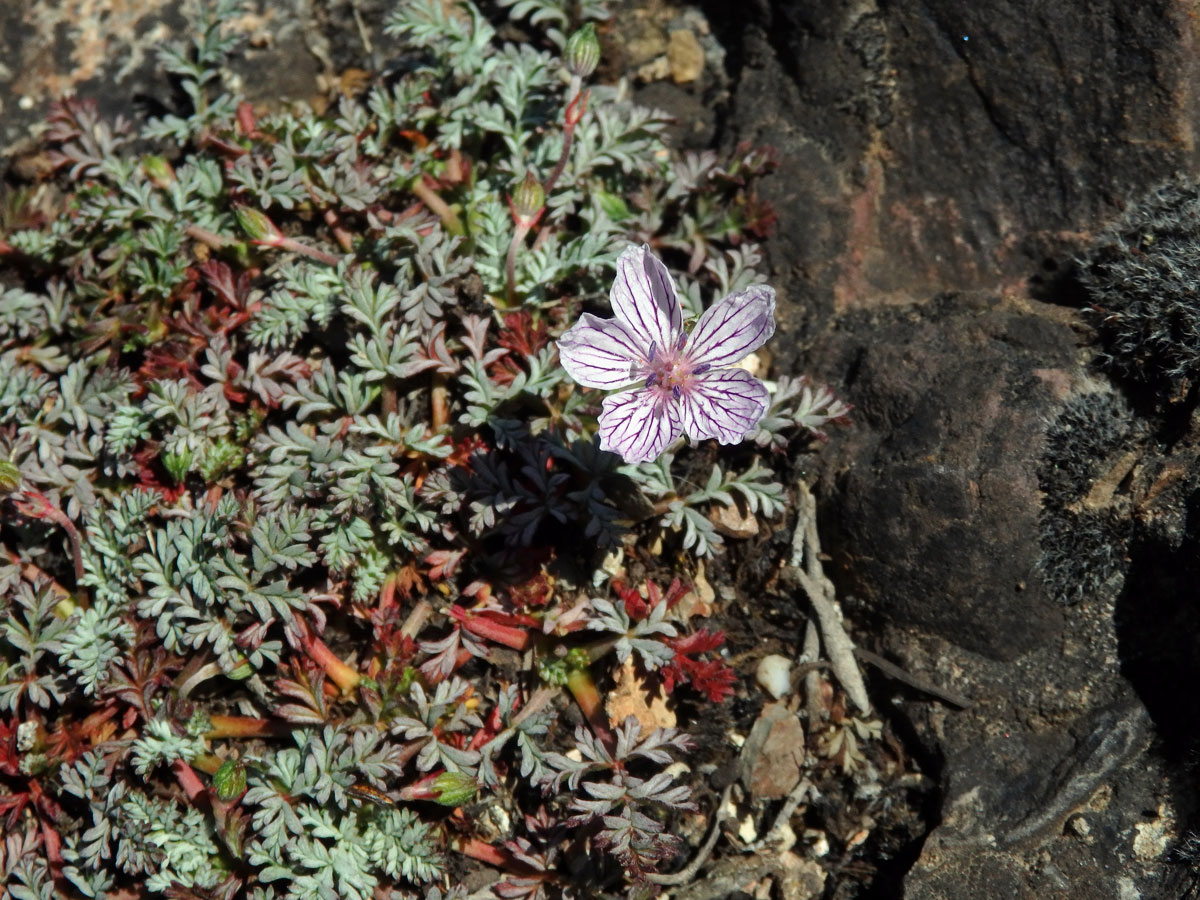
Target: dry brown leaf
{"points": [[629, 697], [773, 755], [731, 522]]}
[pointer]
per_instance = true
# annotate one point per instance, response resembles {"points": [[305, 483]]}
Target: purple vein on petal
{"points": [[643, 298], [635, 426], [724, 405], [600, 353], [662, 288], [734, 327]]}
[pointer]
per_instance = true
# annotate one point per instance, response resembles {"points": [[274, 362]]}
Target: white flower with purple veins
{"points": [[670, 382]]}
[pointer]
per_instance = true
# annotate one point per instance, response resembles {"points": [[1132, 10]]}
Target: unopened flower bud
{"points": [[528, 201], [583, 51], [256, 224], [10, 476], [453, 788], [158, 170], [230, 779]]}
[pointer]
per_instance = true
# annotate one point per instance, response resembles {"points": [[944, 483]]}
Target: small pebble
{"points": [[774, 675]]}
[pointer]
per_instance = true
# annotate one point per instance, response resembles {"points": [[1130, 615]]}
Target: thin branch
{"points": [[805, 568], [794, 799], [812, 679], [685, 875], [894, 671]]}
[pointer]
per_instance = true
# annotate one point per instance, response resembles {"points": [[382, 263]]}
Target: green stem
{"points": [[438, 207], [583, 689], [510, 263]]}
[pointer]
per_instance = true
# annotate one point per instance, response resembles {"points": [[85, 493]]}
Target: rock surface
{"points": [[933, 145], [108, 51], [941, 163], [932, 498]]}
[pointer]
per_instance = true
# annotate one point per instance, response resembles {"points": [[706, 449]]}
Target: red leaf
{"points": [[711, 677]]}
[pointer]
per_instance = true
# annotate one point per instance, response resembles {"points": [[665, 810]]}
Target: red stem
{"points": [[484, 852], [341, 674], [240, 727], [188, 780], [573, 115], [287, 243], [38, 506], [204, 236], [517, 638]]}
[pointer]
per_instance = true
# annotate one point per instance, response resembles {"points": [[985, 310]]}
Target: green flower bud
{"points": [[230, 779], [158, 170], [453, 788], [241, 671], [10, 476], [528, 201], [578, 659], [583, 51], [256, 224]]}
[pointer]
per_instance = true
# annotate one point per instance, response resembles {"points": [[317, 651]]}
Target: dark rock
{"points": [[935, 145], [980, 449], [931, 146], [932, 511], [1051, 785]]}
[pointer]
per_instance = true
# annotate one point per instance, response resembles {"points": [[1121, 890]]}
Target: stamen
{"points": [[653, 352], [676, 392], [682, 340], [652, 380], [701, 369]]}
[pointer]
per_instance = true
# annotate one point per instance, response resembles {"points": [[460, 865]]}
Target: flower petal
{"points": [[725, 404], [643, 297], [638, 425], [601, 353], [733, 327]]}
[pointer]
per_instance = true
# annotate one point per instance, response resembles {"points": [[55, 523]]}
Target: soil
{"points": [[942, 166]]}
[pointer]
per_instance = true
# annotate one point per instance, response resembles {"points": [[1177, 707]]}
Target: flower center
{"points": [[669, 371]]}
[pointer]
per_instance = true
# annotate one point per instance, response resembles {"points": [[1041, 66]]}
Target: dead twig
{"points": [[794, 799], [686, 874], [894, 671], [805, 568]]}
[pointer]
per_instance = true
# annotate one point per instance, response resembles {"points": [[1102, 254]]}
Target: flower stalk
{"points": [[37, 505], [264, 233]]}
